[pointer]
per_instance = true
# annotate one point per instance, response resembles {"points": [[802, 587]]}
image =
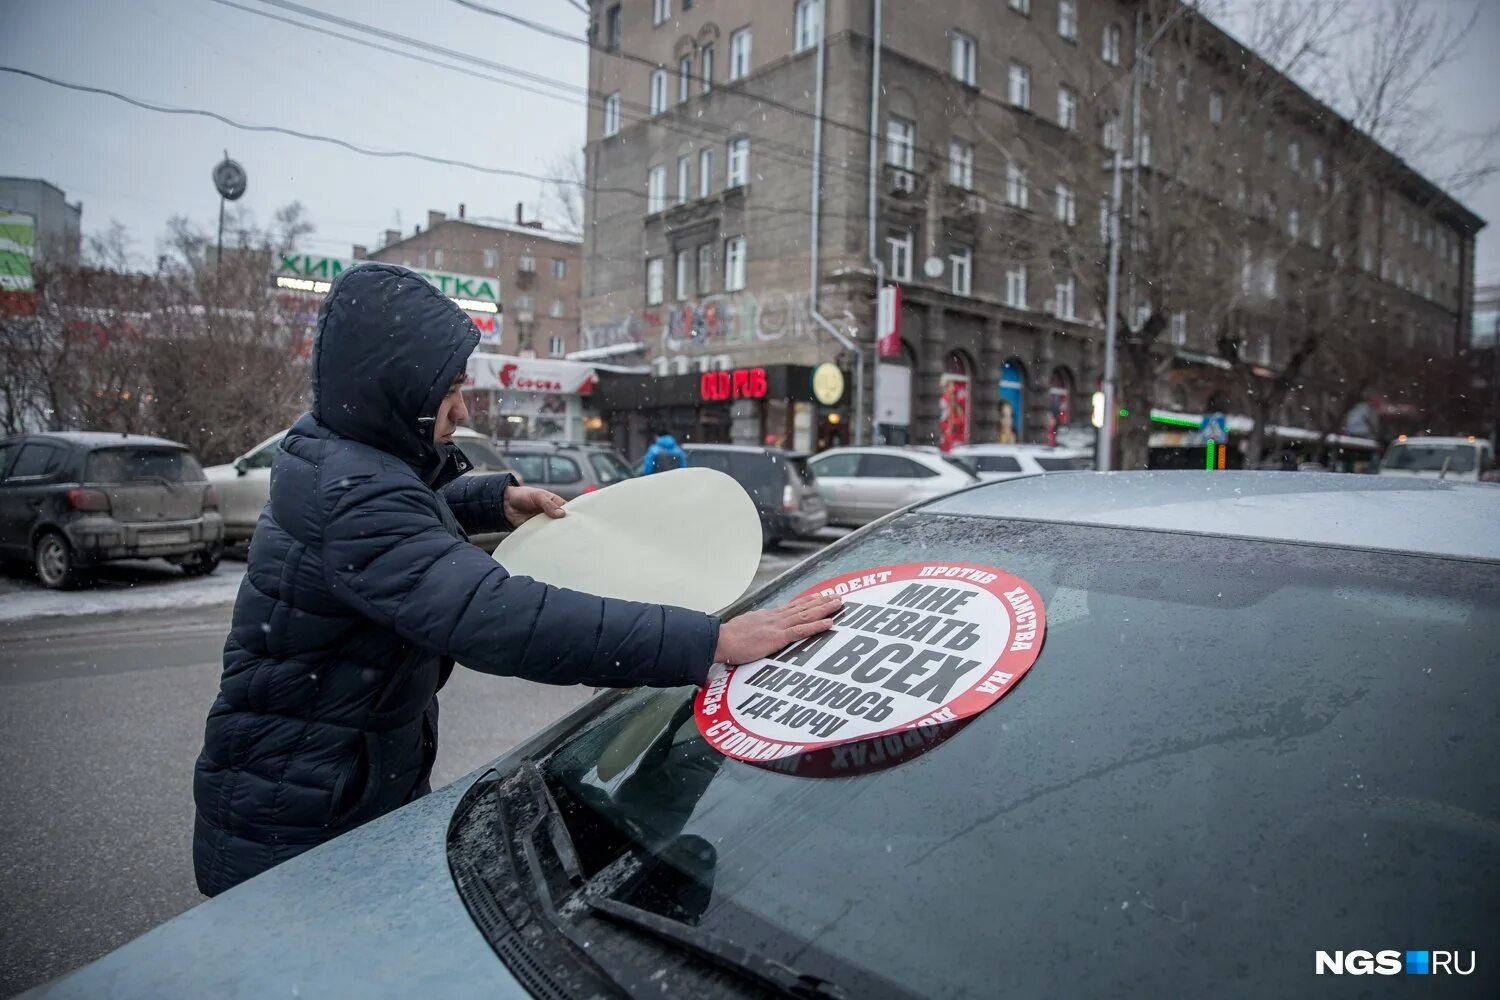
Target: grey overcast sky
{"points": [[140, 167]]}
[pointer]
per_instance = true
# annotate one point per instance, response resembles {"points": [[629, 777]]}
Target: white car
{"points": [[862, 484], [1471, 459], [1007, 461], [244, 485]]}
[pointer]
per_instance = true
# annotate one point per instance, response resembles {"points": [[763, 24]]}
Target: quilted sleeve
{"points": [[479, 502], [388, 556]]}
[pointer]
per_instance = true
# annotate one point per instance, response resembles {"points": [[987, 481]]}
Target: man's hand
{"points": [[761, 633], [522, 503]]}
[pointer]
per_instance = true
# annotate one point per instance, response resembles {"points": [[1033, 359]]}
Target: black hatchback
{"points": [[780, 482], [69, 501]]}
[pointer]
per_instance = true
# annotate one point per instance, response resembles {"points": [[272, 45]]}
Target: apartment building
{"points": [[539, 274], [987, 154]]}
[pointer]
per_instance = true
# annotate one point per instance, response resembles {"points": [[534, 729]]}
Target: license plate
{"points": [[167, 538]]}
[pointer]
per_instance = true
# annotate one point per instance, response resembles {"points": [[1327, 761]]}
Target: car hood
{"points": [[371, 914]]}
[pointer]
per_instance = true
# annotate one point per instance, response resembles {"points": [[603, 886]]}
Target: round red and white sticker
{"points": [[917, 645]]}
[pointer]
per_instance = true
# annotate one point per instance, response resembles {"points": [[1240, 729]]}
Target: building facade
{"points": [[58, 223], [539, 273], [983, 137]]}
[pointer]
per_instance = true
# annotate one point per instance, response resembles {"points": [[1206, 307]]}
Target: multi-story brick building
{"points": [[539, 274], [985, 154]]}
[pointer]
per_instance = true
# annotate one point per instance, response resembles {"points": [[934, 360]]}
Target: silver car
{"points": [[1260, 723], [861, 484]]}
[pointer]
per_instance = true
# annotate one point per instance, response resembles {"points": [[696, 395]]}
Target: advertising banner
{"points": [[512, 374], [17, 251]]}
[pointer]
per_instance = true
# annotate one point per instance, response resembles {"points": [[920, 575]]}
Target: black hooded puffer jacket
{"points": [[361, 591]]}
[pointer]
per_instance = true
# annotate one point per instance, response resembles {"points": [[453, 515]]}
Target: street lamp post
{"points": [[1112, 298]]}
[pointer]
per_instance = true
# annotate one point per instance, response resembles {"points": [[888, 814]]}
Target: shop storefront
{"points": [[528, 398], [797, 407]]}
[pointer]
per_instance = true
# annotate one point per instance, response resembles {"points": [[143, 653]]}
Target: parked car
{"points": [[244, 485], [992, 462], [1469, 458], [780, 482], [72, 501], [861, 484], [1153, 799], [567, 469]]}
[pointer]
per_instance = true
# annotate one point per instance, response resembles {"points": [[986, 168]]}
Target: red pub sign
{"points": [[742, 383]]}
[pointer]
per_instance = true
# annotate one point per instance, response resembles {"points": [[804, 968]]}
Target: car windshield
{"points": [[964, 465], [483, 457], [1413, 457], [608, 467], [1283, 784], [1054, 463], [133, 465], [801, 471]]}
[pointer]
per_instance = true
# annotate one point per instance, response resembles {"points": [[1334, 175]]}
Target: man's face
{"points": [[451, 412]]}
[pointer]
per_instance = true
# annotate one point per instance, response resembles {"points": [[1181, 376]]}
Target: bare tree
{"points": [[562, 194]]}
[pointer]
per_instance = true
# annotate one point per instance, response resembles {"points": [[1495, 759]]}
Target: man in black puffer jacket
{"points": [[362, 590]]}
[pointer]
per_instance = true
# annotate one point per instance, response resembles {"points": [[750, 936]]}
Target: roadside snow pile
{"points": [[143, 592]]}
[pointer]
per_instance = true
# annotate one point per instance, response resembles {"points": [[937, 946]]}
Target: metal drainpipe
{"points": [[815, 274], [872, 208]]}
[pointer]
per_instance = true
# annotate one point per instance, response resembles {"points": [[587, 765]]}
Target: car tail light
{"points": [[211, 498], [788, 500], [92, 501], [591, 488]]}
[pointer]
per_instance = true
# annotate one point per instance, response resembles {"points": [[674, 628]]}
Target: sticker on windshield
{"points": [[917, 646]]}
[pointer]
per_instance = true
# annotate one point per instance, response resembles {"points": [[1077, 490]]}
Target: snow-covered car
{"points": [[861, 484], [1152, 801], [244, 485], [1006, 461]]}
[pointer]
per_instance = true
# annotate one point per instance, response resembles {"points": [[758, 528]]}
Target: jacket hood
{"points": [[388, 346], [666, 441]]}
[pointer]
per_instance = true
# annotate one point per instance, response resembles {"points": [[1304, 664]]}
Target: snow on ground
{"points": [[145, 585]]}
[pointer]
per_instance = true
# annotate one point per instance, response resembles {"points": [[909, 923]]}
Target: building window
{"points": [[1066, 299], [655, 275], [437, 258], [684, 78], [1020, 85], [1067, 108], [527, 264], [1294, 156], [1216, 106], [1145, 148], [612, 114], [900, 143], [1317, 168], [660, 11], [900, 255], [491, 258], [555, 347], [1017, 193], [1268, 144], [1109, 50], [556, 310], [705, 268], [706, 58], [1015, 287], [526, 304], [422, 259], [656, 190], [1293, 223], [612, 28], [1111, 136], [1179, 328], [658, 91], [809, 23], [1270, 278], [1067, 205], [1182, 85], [1067, 19], [705, 172], [559, 268], [684, 178], [961, 269], [961, 165], [683, 275], [734, 264], [739, 163], [964, 58], [1104, 221], [1021, 6], [1264, 347], [739, 55]]}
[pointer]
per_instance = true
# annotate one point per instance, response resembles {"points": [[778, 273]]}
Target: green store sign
{"points": [[301, 267]]}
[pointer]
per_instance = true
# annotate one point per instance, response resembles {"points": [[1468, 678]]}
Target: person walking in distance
{"points": [[664, 454]]}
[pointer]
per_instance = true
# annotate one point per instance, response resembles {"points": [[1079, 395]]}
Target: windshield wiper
{"points": [[768, 972]]}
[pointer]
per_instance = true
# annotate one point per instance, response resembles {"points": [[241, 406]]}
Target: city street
{"points": [[101, 718]]}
